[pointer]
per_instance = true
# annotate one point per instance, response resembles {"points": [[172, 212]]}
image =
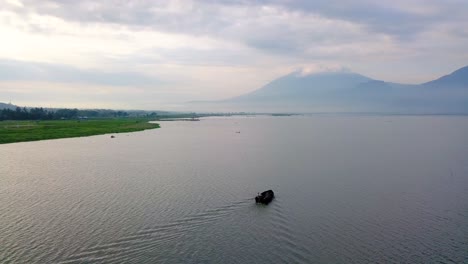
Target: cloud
{"points": [[214, 49], [56, 94], [279, 28], [398, 18], [312, 69], [22, 71]]}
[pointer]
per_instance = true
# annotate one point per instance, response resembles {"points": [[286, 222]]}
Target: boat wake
{"points": [[285, 242], [129, 247]]}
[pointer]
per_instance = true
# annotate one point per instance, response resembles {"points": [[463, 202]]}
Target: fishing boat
{"points": [[265, 197]]}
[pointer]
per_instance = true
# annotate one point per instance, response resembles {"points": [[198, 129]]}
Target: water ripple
{"points": [[129, 245]]}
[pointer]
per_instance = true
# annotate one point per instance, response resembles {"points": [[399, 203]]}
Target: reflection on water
{"points": [[349, 189]]}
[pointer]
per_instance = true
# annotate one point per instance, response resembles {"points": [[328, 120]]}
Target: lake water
{"points": [[350, 189]]}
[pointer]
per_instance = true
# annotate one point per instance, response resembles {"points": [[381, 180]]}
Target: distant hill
{"points": [[458, 78], [7, 106], [351, 92]]}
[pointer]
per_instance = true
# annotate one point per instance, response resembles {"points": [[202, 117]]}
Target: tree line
{"points": [[54, 114]]}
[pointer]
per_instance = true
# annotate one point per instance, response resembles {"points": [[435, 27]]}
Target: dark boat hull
{"points": [[265, 197]]}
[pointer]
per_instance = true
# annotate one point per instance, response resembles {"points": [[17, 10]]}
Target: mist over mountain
{"points": [[7, 106], [350, 92]]}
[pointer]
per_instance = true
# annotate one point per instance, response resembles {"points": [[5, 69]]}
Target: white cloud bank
{"points": [[164, 54]]}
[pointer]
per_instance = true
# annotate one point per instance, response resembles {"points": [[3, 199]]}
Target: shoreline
{"points": [[26, 131]]}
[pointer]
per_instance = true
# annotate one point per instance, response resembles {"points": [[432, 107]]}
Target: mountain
{"points": [[7, 106], [351, 92], [458, 78]]}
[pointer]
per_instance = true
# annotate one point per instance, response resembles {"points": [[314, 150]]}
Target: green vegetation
{"points": [[55, 114], [19, 131], [30, 124]]}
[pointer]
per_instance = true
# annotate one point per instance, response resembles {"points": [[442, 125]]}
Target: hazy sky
{"points": [[157, 54]]}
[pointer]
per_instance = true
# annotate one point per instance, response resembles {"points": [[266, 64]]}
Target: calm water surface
{"points": [[350, 189]]}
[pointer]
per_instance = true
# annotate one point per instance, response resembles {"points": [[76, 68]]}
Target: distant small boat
{"points": [[265, 197], [238, 132], [112, 136]]}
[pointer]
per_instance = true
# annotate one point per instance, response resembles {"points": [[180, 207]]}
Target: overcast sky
{"points": [[157, 54]]}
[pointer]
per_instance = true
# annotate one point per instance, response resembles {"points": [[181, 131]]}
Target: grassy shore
{"points": [[19, 131]]}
